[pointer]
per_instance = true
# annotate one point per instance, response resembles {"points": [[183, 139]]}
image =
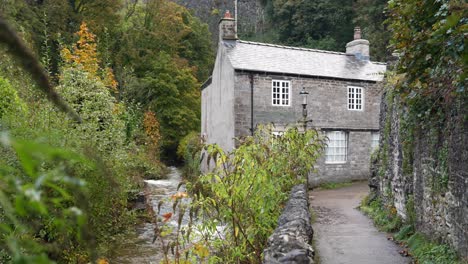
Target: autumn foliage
{"points": [[84, 53], [151, 126]]}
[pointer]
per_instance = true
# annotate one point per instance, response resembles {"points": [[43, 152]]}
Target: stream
{"points": [[139, 248]]}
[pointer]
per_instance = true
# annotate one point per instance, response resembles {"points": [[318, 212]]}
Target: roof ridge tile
{"points": [[290, 47]]}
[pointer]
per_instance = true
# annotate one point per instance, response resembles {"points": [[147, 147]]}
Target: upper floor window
{"points": [[337, 147], [281, 93], [355, 98]]}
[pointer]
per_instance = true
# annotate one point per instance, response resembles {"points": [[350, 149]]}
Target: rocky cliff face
{"points": [[250, 14], [421, 170]]}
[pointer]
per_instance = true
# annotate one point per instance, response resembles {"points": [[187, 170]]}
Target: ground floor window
{"points": [[337, 147], [375, 140]]}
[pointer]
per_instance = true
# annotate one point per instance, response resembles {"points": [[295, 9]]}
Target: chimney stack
{"points": [[227, 27], [358, 47]]}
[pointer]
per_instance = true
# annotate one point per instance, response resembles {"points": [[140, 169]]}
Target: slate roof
{"points": [[254, 56]]}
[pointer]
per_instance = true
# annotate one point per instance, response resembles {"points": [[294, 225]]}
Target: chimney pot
{"points": [[357, 33], [227, 14], [227, 27]]}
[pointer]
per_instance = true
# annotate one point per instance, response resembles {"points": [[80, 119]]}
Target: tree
{"points": [[171, 91], [315, 24], [167, 53], [85, 55], [370, 15]]}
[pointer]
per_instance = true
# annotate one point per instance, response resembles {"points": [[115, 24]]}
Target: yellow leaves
{"points": [[109, 79], [67, 55], [201, 250], [102, 261], [85, 50], [151, 126]]}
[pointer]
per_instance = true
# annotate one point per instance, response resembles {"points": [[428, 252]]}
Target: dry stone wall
{"points": [[290, 242]]}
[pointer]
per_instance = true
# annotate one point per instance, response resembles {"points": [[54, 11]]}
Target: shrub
{"points": [[189, 151], [9, 100], [246, 191]]}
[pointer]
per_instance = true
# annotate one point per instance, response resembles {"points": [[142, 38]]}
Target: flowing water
{"points": [[139, 248]]}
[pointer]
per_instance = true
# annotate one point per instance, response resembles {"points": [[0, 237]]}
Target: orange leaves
{"points": [[151, 126], [85, 53], [179, 195], [167, 217], [102, 261], [85, 50]]}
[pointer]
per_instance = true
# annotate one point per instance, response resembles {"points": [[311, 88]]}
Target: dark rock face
{"points": [[250, 14], [290, 243]]}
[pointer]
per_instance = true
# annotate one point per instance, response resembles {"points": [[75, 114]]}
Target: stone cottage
{"points": [[254, 83]]}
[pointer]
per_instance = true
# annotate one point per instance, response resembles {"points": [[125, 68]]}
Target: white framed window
{"points": [[337, 147], [355, 98], [375, 140], [281, 93], [277, 133]]}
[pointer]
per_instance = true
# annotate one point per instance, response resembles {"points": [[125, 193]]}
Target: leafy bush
{"points": [[247, 188], [385, 218], [43, 204], [189, 150], [9, 100]]}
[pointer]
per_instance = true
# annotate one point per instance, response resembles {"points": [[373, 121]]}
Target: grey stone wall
{"points": [[291, 240], [357, 166], [327, 107], [433, 173]]}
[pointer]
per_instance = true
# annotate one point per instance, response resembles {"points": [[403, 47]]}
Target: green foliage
{"points": [[410, 210], [43, 203], [102, 124], [172, 93], [148, 41], [246, 190], [430, 37], [385, 217], [427, 252], [420, 248], [189, 150], [9, 100], [315, 24], [370, 15], [168, 53]]}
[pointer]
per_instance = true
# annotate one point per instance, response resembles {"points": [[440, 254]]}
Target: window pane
{"points": [[355, 95], [336, 150]]}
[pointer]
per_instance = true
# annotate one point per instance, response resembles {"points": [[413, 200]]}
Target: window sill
{"points": [[336, 162]]}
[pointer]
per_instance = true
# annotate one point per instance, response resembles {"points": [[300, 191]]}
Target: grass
{"points": [[422, 249]]}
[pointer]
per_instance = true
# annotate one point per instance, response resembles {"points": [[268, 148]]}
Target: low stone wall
{"points": [[290, 242]]}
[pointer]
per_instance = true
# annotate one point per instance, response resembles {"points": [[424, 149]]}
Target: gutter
{"points": [[310, 75]]}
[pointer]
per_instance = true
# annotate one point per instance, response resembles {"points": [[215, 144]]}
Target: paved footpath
{"points": [[343, 235]]}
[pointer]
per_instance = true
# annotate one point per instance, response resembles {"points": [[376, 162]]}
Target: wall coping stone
{"points": [[290, 242]]}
